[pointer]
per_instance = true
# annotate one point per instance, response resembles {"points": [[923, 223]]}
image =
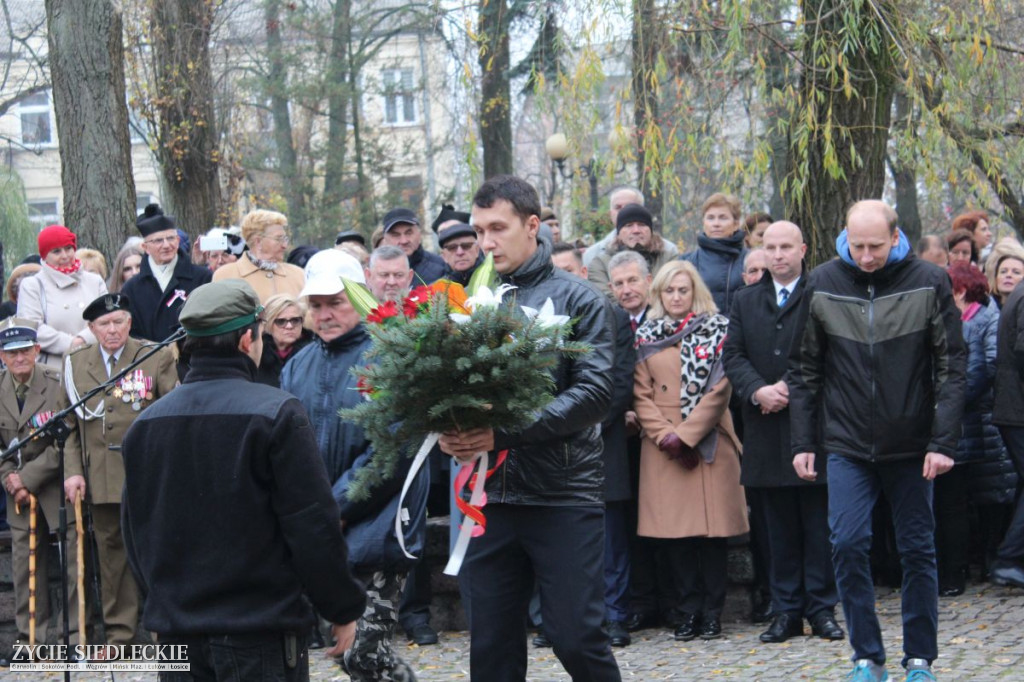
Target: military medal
{"points": [[136, 406], [117, 393]]}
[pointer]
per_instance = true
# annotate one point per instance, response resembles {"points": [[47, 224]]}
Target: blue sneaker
{"points": [[866, 670], [919, 670]]}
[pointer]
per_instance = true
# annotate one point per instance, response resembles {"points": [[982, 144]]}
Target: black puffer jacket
{"points": [[993, 480], [879, 366], [720, 264], [557, 460]]}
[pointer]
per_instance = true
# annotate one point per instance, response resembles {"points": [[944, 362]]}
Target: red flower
{"points": [[382, 312], [364, 387], [416, 301]]}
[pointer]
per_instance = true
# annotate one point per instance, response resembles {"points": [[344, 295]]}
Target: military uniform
{"points": [[39, 469], [94, 451]]}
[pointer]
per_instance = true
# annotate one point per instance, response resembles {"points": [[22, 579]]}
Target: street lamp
{"points": [[557, 147]]}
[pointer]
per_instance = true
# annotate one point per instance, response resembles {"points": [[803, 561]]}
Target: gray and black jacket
{"points": [[877, 372]]}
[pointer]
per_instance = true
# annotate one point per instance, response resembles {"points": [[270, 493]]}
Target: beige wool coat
{"points": [[56, 302], [707, 501], [286, 279]]}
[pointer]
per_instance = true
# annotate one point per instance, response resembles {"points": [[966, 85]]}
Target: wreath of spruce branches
{"points": [[428, 374]]}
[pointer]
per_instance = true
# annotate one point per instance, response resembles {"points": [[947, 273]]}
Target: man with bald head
{"points": [[762, 324], [876, 390]]}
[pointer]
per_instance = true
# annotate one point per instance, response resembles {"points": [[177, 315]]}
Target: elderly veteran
{"points": [[93, 464], [220, 460], [29, 395], [166, 279]]}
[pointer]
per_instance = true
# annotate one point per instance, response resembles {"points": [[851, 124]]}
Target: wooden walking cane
{"points": [[32, 542], [80, 565]]}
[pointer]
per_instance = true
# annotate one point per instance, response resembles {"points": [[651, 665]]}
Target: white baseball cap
{"points": [[325, 270]]}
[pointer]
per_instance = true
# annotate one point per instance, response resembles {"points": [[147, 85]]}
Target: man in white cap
{"points": [[320, 377]]}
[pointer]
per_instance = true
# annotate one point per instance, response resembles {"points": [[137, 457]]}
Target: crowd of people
{"points": [[727, 392]]}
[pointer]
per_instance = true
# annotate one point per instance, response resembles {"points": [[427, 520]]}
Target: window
{"points": [[143, 200], [399, 98], [405, 190], [43, 213], [36, 122]]}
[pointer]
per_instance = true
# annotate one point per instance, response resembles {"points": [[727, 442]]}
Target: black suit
{"points": [[756, 354]]}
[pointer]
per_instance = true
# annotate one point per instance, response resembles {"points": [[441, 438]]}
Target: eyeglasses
{"points": [[157, 241], [281, 239], [288, 322], [459, 246]]}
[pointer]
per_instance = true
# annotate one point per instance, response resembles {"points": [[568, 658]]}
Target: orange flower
{"points": [[455, 293]]}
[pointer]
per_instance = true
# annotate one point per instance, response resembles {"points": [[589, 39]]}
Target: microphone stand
{"points": [[57, 429]]}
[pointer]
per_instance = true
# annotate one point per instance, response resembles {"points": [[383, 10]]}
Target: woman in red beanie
{"points": [[57, 295]]}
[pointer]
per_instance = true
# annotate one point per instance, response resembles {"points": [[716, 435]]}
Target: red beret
{"points": [[55, 237]]}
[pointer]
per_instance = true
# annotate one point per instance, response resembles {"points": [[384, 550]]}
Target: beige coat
{"points": [[91, 442], [56, 302], [286, 279], [673, 502]]}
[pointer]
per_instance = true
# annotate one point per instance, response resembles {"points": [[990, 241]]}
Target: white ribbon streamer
{"points": [[417, 464], [466, 533]]}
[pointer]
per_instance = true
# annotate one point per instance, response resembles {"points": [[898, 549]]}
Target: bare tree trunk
{"points": [[646, 43], [495, 100], [87, 69], [904, 173], [339, 93], [833, 177], [187, 146], [277, 89]]}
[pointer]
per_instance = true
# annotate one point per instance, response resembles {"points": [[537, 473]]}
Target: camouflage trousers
{"points": [[371, 658]]}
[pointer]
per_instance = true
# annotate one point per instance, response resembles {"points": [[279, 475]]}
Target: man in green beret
{"points": [[228, 517]]}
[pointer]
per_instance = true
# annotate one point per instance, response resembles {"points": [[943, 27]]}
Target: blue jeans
{"points": [[853, 488]]}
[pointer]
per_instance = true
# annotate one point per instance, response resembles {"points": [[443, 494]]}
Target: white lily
{"points": [[484, 298], [546, 316]]}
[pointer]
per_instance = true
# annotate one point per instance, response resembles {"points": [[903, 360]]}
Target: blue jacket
{"points": [[720, 264], [429, 267], [993, 479], [319, 376]]}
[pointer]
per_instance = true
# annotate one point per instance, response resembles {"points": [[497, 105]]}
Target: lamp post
{"points": [[557, 147]]}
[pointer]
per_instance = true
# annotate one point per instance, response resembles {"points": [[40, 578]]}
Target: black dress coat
{"points": [[155, 312], [617, 482], [756, 354]]}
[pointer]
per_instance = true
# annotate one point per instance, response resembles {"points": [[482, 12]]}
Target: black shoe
{"points": [[951, 590], [1007, 574], [641, 621], [711, 629], [784, 626], [761, 609], [541, 641], [617, 634], [422, 634], [824, 625], [688, 629]]}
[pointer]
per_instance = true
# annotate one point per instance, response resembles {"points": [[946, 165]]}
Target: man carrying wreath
{"points": [[545, 508]]}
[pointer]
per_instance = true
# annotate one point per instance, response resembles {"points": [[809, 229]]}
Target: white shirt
{"points": [[106, 358], [791, 287]]}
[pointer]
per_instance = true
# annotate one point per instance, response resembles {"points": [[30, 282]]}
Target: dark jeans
{"points": [[616, 561], [699, 567], [760, 542], [952, 525], [1012, 547], [563, 547], [415, 608], [853, 487], [803, 578], [240, 658]]}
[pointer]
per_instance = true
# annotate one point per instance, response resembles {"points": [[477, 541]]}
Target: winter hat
{"points": [[634, 213], [55, 237]]}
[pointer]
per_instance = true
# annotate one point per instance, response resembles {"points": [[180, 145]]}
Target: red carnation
{"points": [[416, 301], [382, 312]]}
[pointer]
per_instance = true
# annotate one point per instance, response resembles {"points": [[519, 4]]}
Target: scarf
{"points": [[67, 270], [266, 265], [970, 311], [700, 339]]}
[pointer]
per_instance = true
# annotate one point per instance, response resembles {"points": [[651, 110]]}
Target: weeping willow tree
{"points": [[791, 106]]}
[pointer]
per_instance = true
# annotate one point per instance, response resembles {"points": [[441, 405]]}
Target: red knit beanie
{"points": [[55, 237]]}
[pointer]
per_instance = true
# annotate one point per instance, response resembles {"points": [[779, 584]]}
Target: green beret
{"points": [[219, 308]]}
